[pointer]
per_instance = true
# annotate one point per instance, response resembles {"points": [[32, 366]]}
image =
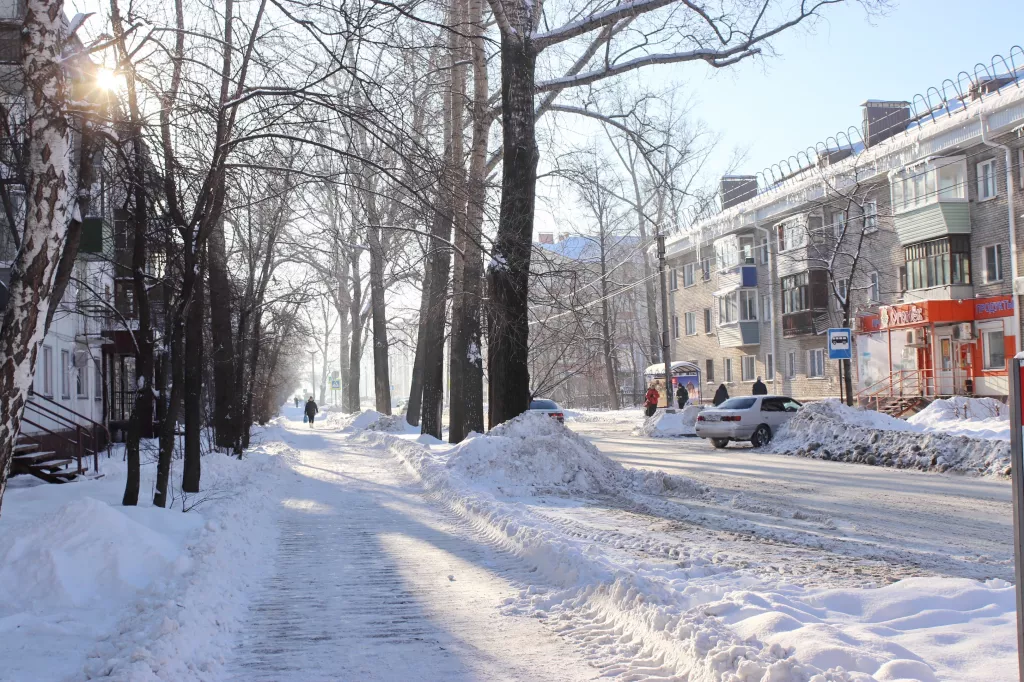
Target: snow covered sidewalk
{"points": [[372, 581]]}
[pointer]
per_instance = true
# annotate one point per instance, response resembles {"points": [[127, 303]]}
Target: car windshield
{"points": [[543, 405], [738, 404]]}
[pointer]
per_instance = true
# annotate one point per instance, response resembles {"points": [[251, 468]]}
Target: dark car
{"points": [[548, 407]]}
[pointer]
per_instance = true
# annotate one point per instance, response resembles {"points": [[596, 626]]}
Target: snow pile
{"points": [[974, 417], [348, 422], [133, 593], [629, 415], [830, 430], [534, 454], [393, 423], [670, 424]]}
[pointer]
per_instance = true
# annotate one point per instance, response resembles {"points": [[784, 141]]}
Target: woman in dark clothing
{"points": [[721, 395], [682, 396], [311, 410]]}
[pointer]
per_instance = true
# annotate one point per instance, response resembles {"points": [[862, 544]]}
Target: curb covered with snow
{"points": [[830, 430]]}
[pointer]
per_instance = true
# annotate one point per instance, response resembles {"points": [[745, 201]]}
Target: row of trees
{"points": [[268, 149]]}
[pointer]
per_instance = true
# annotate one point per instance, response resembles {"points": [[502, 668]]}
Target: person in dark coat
{"points": [[311, 410], [682, 396], [759, 388], [721, 395]]}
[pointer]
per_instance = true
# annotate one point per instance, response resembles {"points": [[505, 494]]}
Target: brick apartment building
{"points": [[908, 235]]}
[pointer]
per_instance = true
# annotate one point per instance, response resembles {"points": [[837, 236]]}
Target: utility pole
{"points": [[312, 373], [665, 353]]}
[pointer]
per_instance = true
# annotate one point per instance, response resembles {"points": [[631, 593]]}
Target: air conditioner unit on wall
{"points": [[963, 331], [915, 338]]}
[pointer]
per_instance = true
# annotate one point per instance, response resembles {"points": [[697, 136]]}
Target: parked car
{"points": [[548, 407], [749, 418]]}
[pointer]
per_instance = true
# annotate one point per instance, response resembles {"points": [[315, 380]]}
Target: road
{"points": [[881, 523]]}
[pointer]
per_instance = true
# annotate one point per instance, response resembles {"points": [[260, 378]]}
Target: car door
{"points": [[772, 412]]}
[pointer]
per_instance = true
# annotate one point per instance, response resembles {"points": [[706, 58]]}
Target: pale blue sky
{"points": [[815, 86]]}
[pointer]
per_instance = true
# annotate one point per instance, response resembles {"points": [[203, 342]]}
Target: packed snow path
{"points": [[830, 518], [374, 582]]}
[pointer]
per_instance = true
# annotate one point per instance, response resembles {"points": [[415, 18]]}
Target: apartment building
{"points": [[908, 232]]}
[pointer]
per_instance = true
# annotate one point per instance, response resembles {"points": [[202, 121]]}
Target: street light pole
{"points": [[312, 373], [665, 353]]}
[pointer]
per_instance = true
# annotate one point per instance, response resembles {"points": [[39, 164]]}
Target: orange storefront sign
{"points": [[939, 311]]}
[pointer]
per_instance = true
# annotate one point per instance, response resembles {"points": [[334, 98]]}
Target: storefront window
{"points": [[939, 262], [994, 350]]}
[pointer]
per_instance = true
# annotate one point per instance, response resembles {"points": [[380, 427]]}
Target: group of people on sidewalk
{"points": [[683, 395]]}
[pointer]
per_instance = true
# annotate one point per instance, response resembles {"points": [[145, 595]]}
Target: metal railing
{"points": [[83, 426], [904, 383]]}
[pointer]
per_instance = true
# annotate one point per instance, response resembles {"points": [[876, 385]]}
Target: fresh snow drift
{"points": [[962, 416], [830, 430], [666, 424]]}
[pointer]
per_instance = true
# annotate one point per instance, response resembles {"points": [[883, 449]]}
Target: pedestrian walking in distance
{"points": [[311, 410], [721, 395], [759, 388], [682, 396], [651, 401]]}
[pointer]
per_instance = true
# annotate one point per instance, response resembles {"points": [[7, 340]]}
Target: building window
{"points": [[791, 365], [97, 381], [1020, 167], [728, 308], [748, 305], [673, 279], [816, 363], [705, 269], [675, 326], [993, 257], [994, 350], [870, 216], [766, 308], [748, 368], [82, 381], [688, 274], [691, 324], [795, 296], [738, 306], [790, 235], [47, 372], [709, 371], [986, 179], [843, 289], [728, 370], [918, 187], [939, 262], [708, 324], [874, 288], [901, 271], [65, 374], [747, 250], [839, 224], [763, 250], [769, 367]]}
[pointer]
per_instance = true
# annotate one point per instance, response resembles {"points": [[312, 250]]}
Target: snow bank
{"points": [[830, 430], [348, 422], [627, 415], [670, 424], [393, 423], [132, 593], [973, 417], [534, 454], [688, 621]]}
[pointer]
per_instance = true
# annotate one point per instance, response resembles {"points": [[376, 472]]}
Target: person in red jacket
{"points": [[651, 401]]}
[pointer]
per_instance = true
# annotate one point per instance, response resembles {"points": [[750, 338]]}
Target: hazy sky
{"points": [[814, 87]]}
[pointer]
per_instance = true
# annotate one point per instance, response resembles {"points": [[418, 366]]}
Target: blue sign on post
{"points": [[840, 344]]}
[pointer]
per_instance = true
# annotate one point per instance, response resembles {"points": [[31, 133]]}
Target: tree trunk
{"points": [[433, 351], [508, 273], [49, 205], [221, 334], [356, 351], [381, 373], [412, 413], [193, 397], [169, 424]]}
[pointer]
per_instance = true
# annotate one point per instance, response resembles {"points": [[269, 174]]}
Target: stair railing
{"points": [[76, 422]]}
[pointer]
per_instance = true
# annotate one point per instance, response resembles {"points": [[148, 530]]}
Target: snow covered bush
{"points": [[974, 417], [830, 430]]}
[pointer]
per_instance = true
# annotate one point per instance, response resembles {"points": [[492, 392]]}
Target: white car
{"points": [[548, 407], [754, 418]]}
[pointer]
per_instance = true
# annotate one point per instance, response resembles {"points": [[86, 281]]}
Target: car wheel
{"points": [[719, 442], [762, 436]]}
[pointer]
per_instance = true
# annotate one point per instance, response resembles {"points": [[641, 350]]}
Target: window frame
{"points": [[769, 367], [763, 247], [47, 387], [978, 169], [815, 361], [870, 216], [688, 279], [65, 374], [690, 323], [97, 380], [675, 326], [767, 307], [673, 279], [709, 321], [986, 349], [705, 269], [791, 362], [746, 360], [997, 261], [82, 382], [727, 364], [944, 261], [874, 286], [843, 285], [709, 370]]}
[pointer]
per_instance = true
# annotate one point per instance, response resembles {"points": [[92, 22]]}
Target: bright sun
{"points": [[107, 79]]}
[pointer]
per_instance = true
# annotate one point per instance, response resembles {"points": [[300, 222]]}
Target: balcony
{"points": [[933, 221], [929, 200], [804, 323], [739, 334]]}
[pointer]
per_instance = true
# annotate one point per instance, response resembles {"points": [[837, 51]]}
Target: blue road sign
{"points": [[840, 344]]}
